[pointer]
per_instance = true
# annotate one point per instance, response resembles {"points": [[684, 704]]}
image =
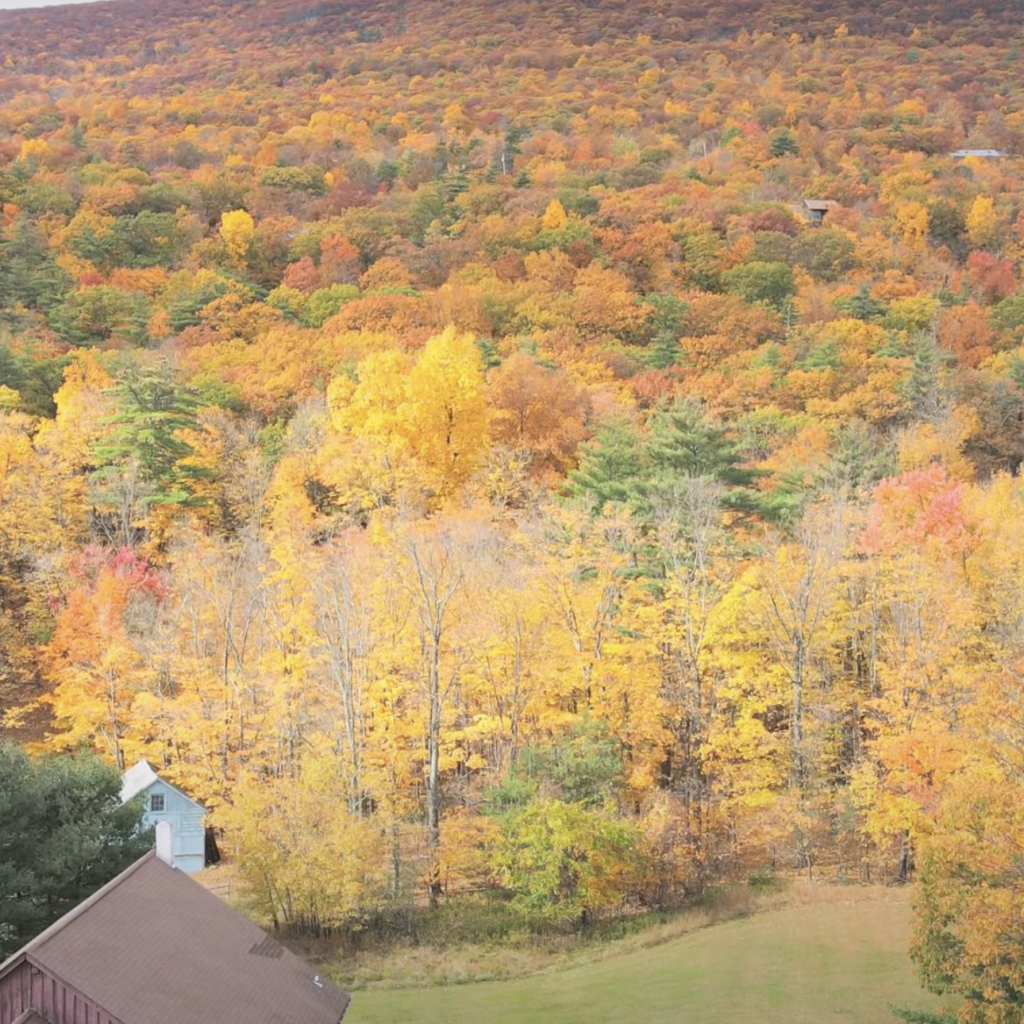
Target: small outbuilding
{"points": [[154, 947], [167, 803], [815, 209]]}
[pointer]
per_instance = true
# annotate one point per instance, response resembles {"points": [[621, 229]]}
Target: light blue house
{"points": [[167, 803]]}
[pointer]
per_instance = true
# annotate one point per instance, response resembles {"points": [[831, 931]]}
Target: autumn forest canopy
{"points": [[563, 449]]}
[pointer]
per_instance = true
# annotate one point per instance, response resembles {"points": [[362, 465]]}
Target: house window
{"points": [[156, 802]]}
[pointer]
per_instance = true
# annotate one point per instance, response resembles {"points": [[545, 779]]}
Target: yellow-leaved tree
{"points": [[374, 464], [290, 659], [921, 534], [93, 660], [554, 217], [307, 862], [912, 223], [444, 417], [237, 228], [781, 705], [64, 444], [968, 911], [984, 228]]}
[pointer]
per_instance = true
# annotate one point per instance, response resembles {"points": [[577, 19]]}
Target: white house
{"points": [[167, 803]]}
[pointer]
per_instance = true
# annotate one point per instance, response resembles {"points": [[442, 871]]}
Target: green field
{"points": [[812, 964]]}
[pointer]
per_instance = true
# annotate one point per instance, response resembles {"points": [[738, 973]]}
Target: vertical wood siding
{"points": [[26, 987], [186, 818]]}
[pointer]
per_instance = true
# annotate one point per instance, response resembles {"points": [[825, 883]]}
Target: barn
{"points": [[154, 947]]}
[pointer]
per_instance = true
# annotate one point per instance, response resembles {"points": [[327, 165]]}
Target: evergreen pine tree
{"points": [[610, 468], [924, 389], [685, 443], [63, 833], [152, 409]]}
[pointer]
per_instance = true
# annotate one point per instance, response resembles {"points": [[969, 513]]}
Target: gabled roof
{"points": [[820, 204], [140, 777], [153, 946], [977, 152]]}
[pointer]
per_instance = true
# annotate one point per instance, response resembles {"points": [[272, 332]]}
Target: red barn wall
{"points": [[27, 987]]}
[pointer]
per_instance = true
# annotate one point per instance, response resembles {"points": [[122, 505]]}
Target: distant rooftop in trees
{"points": [[988, 154], [815, 209]]}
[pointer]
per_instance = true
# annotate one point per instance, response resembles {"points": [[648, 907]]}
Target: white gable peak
{"points": [[139, 777]]}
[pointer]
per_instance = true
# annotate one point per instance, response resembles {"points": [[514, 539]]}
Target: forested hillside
{"points": [[440, 438]]}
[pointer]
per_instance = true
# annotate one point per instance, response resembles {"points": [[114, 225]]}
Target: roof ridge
{"points": [[181, 792], [76, 912], [137, 939], [157, 777]]}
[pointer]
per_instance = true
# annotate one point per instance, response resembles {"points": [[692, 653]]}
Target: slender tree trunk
{"points": [[438, 577], [797, 723], [434, 765], [906, 865], [395, 881]]}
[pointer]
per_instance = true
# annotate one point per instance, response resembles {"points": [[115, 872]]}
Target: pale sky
{"points": [[8, 5]]}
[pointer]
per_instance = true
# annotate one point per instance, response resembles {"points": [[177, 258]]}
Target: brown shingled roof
{"points": [[153, 946]]}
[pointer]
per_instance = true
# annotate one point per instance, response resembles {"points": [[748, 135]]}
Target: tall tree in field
{"points": [[584, 574], [799, 597], [351, 630], [922, 532], [310, 871], [591, 590], [968, 936], [435, 574], [290, 659], [773, 633], [507, 684], [692, 544]]}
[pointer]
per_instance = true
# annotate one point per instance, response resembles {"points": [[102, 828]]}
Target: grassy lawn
{"points": [[841, 960]]}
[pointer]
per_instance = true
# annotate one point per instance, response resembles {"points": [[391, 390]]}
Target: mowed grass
{"points": [[841, 962]]}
